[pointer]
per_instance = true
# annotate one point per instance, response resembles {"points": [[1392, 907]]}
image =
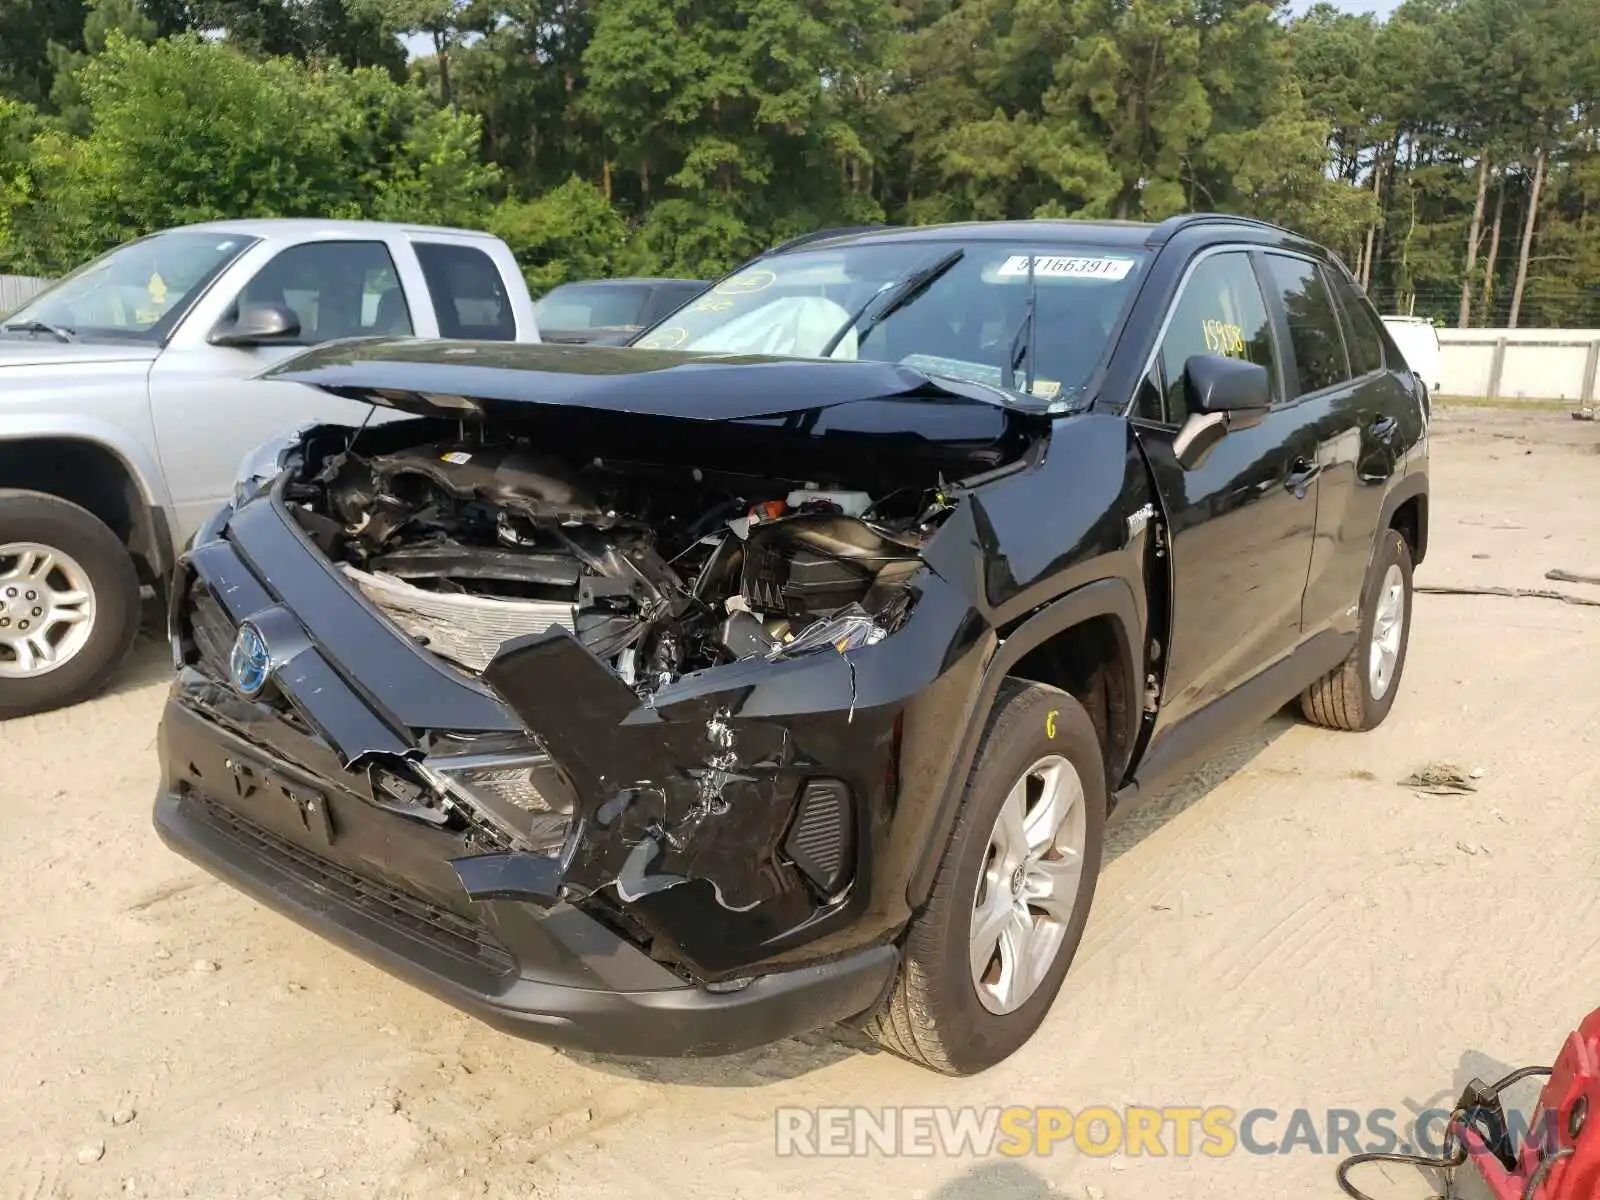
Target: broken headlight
{"points": [[519, 792], [262, 465]]}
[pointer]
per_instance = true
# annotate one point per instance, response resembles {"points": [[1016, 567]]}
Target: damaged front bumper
{"points": [[736, 863], [286, 834]]}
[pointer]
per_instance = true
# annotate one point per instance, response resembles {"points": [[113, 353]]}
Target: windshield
{"points": [[591, 306], [965, 324], [137, 291]]}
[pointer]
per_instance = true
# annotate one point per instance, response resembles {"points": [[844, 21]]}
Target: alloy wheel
{"points": [[1028, 887], [1388, 622], [46, 609]]}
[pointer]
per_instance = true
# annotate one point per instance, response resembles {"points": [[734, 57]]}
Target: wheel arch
{"points": [[1088, 636], [98, 478], [1406, 512]]}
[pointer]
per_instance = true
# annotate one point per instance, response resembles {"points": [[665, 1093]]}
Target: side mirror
{"points": [[1224, 394], [257, 324]]}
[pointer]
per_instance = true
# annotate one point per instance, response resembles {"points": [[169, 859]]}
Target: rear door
{"points": [[1350, 399], [1241, 523], [475, 288]]}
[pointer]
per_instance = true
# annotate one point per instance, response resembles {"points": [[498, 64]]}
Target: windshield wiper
{"points": [[59, 332], [884, 304], [1022, 341]]}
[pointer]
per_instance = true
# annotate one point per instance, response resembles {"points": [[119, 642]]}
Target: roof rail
{"points": [[1168, 229], [818, 235]]}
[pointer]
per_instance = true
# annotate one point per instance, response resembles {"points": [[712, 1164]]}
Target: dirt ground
{"points": [[1286, 928]]}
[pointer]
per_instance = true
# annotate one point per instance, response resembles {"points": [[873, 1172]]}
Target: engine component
{"points": [[851, 504], [478, 562], [467, 546], [466, 629], [849, 629], [534, 486], [746, 637]]}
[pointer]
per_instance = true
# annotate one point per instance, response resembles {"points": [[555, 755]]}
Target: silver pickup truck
{"points": [[128, 398]]}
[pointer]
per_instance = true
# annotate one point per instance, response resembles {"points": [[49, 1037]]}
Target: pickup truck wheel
{"points": [[69, 603], [1358, 694], [984, 959]]}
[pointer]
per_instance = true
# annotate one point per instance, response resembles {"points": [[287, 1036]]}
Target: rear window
{"points": [[1362, 335], [469, 296], [579, 306], [1313, 322]]}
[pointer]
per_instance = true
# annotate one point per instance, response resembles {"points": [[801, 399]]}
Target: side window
{"points": [[1221, 311], [1361, 329], [336, 289], [1313, 322], [469, 297]]}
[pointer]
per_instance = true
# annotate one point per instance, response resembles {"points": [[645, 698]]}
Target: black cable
{"points": [[1545, 1168], [1441, 1163], [1455, 1150]]}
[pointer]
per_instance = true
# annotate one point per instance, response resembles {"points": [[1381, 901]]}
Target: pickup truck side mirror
{"points": [[256, 325], [1224, 394]]}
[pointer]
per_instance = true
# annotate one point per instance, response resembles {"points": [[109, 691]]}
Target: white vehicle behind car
{"points": [[1419, 342], [128, 399]]}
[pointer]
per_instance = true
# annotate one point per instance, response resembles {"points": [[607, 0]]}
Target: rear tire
{"points": [[1358, 694], [947, 1010], [69, 593]]}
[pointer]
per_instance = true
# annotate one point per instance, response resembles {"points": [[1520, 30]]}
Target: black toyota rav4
{"points": [[780, 670]]}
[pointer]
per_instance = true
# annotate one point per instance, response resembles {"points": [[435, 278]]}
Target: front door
{"points": [[1240, 523], [209, 413]]}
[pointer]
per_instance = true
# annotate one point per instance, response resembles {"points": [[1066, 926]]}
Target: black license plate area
{"points": [[272, 798]]}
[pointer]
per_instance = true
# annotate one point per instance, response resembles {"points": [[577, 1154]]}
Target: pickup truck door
{"points": [[209, 413], [1240, 524]]}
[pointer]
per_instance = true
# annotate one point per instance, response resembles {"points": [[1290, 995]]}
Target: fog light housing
{"points": [[821, 840]]}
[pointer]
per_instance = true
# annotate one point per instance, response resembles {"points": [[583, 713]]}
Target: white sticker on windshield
{"points": [[1053, 266]]}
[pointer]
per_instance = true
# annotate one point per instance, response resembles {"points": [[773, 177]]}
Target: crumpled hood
{"points": [[46, 351], [495, 380]]}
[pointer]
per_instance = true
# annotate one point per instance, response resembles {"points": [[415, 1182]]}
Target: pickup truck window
{"points": [[139, 291], [1221, 311], [1313, 323], [469, 297], [337, 289], [951, 308]]}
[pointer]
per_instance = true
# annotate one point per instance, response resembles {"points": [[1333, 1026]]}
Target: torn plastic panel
{"points": [[683, 802]]}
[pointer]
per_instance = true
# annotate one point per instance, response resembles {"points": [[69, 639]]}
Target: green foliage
{"points": [[183, 131], [570, 232], [680, 136]]}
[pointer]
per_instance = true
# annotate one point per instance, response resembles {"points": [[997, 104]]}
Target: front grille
{"points": [[462, 939], [210, 631], [468, 630]]}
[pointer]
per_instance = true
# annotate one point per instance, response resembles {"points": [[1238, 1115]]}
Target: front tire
{"points": [[1357, 694], [984, 959], [69, 603]]}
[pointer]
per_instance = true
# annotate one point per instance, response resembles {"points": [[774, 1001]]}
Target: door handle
{"points": [[1302, 473], [1384, 428]]}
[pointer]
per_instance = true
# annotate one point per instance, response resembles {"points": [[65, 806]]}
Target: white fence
{"points": [[1520, 364], [17, 290]]}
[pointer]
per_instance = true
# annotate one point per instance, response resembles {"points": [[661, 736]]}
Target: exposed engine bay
{"points": [[659, 571]]}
